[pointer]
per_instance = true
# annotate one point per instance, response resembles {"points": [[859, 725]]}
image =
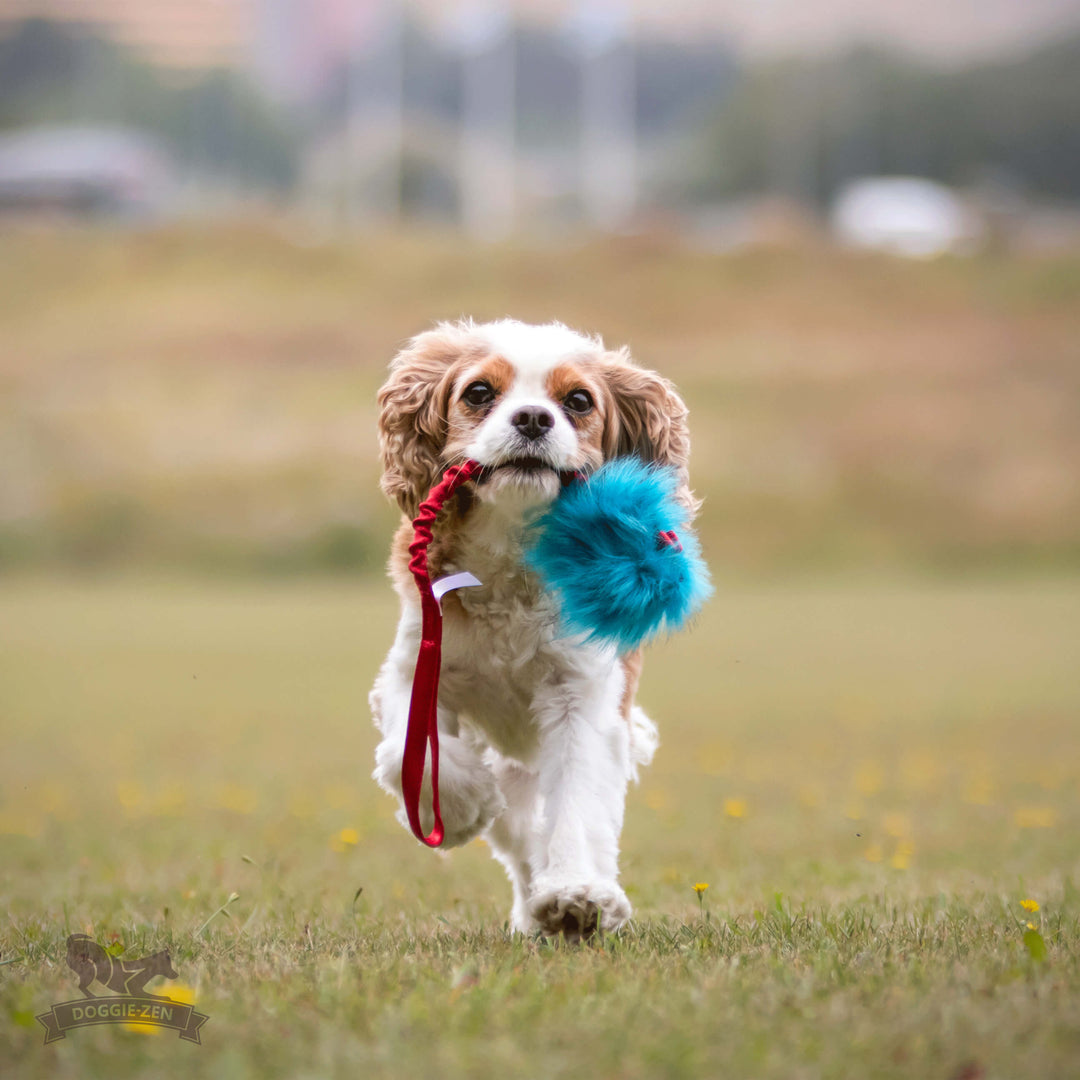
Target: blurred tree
{"points": [[802, 127], [213, 122]]}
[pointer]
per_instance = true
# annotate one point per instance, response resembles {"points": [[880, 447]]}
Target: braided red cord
{"points": [[423, 727]]}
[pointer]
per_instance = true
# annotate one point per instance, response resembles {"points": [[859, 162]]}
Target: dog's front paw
{"points": [[577, 911]]}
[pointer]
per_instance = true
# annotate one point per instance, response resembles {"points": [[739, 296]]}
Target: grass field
{"points": [[870, 776], [870, 743]]}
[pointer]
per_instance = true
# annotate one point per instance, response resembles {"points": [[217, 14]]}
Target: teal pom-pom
{"points": [[599, 547]]}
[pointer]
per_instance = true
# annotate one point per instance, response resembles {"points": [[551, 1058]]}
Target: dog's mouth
{"points": [[528, 466]]}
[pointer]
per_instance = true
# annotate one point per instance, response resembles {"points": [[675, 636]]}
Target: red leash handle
{"points": [[423, 727]]}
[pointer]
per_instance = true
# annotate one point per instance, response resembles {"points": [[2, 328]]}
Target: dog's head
{"points": [[527, 402], [160, 963]]}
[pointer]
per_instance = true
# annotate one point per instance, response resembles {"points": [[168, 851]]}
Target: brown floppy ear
{"points": [[413, 405], [646, 417]]}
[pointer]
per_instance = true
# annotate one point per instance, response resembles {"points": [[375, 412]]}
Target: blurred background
{"points": [[850, 233]]}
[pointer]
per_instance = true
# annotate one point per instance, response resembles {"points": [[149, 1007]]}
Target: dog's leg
{"points": [[136, 979], [468, 795], [513, 833], [583, 767]]}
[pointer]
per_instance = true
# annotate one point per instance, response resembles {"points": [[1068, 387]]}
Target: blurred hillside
{"points": [[205, 398]]}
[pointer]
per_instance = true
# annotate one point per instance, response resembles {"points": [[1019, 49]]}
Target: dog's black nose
{"points": [[532, 421]]}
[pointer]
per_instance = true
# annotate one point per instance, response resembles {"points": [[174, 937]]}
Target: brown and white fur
{"points": [[539, 733]]}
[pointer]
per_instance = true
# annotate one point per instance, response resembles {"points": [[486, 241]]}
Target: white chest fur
{"points": [[501, 640]]}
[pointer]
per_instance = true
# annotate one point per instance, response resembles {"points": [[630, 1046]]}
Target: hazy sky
{"points": [[944, 27]]}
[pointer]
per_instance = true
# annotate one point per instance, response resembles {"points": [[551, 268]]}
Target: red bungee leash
{"points": [[423, 726]]}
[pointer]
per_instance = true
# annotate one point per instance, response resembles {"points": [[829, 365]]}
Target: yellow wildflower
{"points": [[869, 778], [237, 798], [344, 839], [176, 991], [1030, 905], [130, 795], [700, 888], [897, 826], [735, 808], [656, 798], [1035, 817]]}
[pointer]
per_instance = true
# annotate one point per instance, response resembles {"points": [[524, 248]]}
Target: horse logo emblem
{"points": [[129, 1002]]}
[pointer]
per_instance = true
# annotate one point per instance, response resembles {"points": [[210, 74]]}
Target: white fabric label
{"points": [[444, 585]]}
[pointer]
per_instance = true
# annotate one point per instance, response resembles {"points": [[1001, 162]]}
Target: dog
{"points": [[90, 961], [539, 732]]}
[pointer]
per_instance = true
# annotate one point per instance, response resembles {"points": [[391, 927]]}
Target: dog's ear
{"points": [[646, 417], [413, 405]]}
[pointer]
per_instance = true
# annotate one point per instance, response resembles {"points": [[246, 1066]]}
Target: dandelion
{"points": [[1031, 926], [1030, 905], [130, 796], [700, 888], [902, 856], [345, 839], [656, 799], [869, 778], [898, 826], [1035, 817], [237, 798], [18, 822], [979, 790], [178, 992], [735, 808]]}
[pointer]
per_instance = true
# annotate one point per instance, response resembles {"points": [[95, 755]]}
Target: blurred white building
{"points": [[84, 170], [904, 215]]}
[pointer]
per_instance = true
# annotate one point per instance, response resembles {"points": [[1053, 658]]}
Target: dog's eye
{"points": [[578, 401], [478, 394]]}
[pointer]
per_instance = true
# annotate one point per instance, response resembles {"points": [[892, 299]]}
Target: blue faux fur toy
{"points": [[604, 546]]}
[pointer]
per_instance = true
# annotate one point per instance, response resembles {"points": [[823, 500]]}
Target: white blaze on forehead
{"points": [[532, 351], [535, 350]]}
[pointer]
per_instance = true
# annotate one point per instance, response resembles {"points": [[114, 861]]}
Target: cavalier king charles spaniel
{"points": [[539, 732]]}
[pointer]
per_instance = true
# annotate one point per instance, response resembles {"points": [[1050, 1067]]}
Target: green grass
{"points": [[870, 775], [870, 772]]}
